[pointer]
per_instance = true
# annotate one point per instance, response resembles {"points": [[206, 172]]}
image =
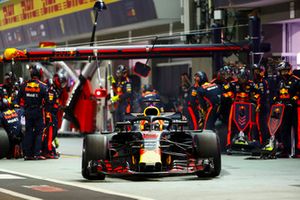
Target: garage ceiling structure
{"points": [[70, 25], [247, 3]]}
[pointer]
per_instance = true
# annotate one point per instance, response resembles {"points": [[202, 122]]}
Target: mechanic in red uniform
{"points": [[288, 94], [242, 90], [123, 93], [209, 95]]}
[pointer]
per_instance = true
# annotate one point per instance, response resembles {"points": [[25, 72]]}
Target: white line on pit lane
{"points": [[77, 185], [19, 195], [9, 177]]}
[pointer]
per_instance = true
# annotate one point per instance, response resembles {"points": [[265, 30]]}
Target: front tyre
{"points": [[207, 146], [94, 148]]}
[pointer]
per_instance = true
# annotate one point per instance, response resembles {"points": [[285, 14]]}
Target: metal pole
{"points": [[94, 28]]}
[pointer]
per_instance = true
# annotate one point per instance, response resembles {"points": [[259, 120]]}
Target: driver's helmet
{"points": [[151, 99]]}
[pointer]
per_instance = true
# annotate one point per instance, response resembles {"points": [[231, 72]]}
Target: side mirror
{"points": [[141, 69]]}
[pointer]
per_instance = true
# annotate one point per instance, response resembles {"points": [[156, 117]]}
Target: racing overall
{"points": [[10, 120], [223, 84], [183, 93], [193, 107], [288, 94], [34, 93], [123, 90], [51, 124], [209, 95], [263, 109], [240, 92]]}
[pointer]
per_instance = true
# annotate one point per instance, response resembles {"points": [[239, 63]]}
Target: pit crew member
{"points": [[34, 94]]}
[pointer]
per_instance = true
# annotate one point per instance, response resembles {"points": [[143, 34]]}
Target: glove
{"points": [[56, 142], [111, 79], [257, 108], [115, 99], [295, 98]]}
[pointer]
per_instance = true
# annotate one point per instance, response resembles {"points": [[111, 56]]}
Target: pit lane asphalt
{"points": [[240, 178]]}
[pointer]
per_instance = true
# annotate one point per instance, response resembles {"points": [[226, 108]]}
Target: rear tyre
{"points": [[4, 143], [94, 148], [207, 146]]}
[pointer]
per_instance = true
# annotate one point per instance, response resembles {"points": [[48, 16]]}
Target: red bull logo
{"points": [[11, 53]]}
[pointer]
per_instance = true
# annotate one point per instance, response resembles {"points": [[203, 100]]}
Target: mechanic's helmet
{"points": [[243, 75], [35, 71], [7, 78], [202, 77], [148, 88], [16, 88], [4, 93], [56, 80], [121, 71], [59, 80], [4, 104], [258, 70], [284, 68], [63, 81], [227, 69], [12, 76]]}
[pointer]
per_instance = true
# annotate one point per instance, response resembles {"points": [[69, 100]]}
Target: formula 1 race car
{"points": [[151, 144]]}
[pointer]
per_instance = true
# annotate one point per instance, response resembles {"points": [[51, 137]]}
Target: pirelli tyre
{"points": [[4, 143], [207, 146], [94, 149]]}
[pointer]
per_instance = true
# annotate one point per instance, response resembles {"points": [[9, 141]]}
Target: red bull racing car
{"points": [[151, 144]]}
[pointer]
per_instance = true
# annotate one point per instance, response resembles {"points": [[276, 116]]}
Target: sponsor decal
{"points": [[21, 12]]}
